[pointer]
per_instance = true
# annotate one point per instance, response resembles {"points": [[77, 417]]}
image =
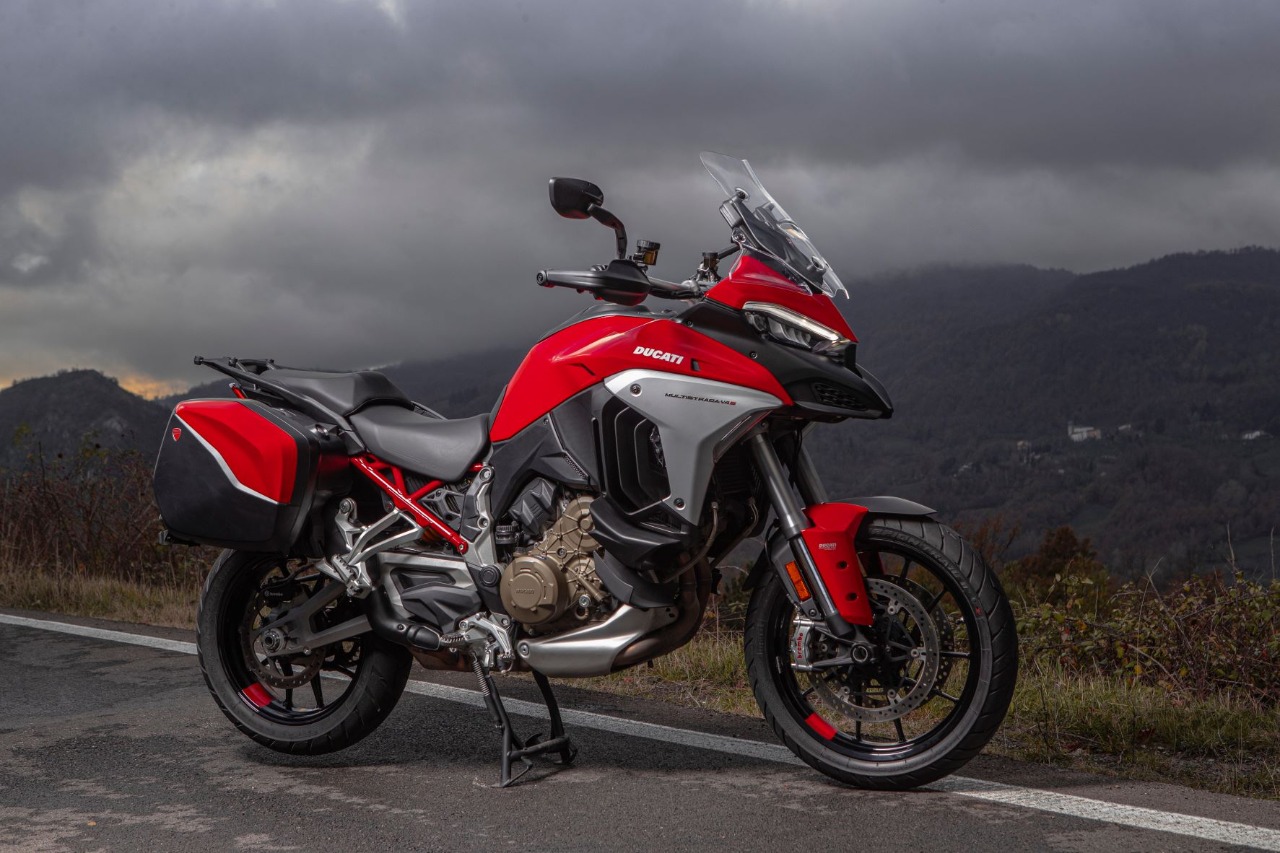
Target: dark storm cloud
{"points": [[359, 182]]}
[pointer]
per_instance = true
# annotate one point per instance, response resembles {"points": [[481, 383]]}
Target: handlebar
{"points": [[628, 283], [622, 281]]}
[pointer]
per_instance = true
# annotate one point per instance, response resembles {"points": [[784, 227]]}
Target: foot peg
{"points": [[513, 747]]}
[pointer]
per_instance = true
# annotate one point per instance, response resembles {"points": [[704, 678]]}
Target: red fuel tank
{"points": [[575, 358]]}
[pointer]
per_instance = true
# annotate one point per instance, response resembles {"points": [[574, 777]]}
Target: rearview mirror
{"points": [[573, 198]]}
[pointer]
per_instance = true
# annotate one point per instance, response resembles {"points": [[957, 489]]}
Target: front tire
{"points": [[940, 680], [304, 704]]}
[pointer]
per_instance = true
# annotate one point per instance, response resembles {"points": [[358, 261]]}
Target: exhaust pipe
{"points": [[628, 637], [695, 589]]}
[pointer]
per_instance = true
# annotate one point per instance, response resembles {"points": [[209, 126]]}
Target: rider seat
{"points": [[440, 449]]}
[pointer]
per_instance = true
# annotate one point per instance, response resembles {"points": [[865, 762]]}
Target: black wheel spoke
{"points": [[288, 699], [318, 691], [919, 582]]}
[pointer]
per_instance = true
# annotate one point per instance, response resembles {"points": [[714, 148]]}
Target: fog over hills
{"points": [[1172, 363]]}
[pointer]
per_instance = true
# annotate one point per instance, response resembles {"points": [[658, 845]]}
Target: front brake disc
{"points": [[911, 638]]}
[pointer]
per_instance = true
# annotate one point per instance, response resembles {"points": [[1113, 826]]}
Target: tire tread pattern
{"points": [[384, 671], [947, 547]]}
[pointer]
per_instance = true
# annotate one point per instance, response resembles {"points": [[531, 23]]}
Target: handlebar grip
{"points": [[622, 281], [577, 279]]}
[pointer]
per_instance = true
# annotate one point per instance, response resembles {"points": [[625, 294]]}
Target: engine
{"points": [[552, 584]]}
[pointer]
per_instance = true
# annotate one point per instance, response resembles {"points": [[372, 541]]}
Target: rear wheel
{"points": [[316, 701], [928, 689]]}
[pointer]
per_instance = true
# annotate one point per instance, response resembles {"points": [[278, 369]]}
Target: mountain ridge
{"points": [[987, 366]]}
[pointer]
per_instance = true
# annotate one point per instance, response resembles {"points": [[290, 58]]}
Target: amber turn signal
{"points": [[798, 581]]}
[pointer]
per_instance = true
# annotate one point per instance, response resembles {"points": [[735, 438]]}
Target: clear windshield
{"points": [[770, 229]]}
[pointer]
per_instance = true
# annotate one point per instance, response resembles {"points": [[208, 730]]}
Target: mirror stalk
{"points": [[604, 217]]}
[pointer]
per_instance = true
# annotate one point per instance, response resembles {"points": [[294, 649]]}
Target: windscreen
{"points": [[770, 229]]}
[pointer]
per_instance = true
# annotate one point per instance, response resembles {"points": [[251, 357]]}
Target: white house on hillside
{"points": [[1083, 433]]}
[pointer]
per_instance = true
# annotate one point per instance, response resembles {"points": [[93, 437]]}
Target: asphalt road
{"points": [[108, 745]]}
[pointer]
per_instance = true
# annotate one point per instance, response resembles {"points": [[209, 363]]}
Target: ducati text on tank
{"points": [[658, 354], [581, 528]]}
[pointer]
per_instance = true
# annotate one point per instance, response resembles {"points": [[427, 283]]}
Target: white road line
{"points": [[617, 725], [1209, 829], [100, 634], [1221, 831]]}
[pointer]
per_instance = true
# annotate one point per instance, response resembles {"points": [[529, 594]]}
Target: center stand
{"points": [[512, 746]]}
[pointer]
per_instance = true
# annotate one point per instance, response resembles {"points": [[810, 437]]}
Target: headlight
{"points": [[790, 327]]}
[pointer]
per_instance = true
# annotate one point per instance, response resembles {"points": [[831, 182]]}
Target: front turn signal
{"points": [[797, 580]]}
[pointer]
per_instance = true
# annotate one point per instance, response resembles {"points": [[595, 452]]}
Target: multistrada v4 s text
{"points": [[577, 530]]}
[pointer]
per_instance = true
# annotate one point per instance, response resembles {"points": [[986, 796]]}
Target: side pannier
{"points": [[241, 474]]}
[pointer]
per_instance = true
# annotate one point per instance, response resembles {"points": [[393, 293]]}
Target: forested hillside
{"points": [[60, 414], [1173, 363]]}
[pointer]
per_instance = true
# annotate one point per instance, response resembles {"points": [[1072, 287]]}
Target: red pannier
{"points": [[241, 474]]}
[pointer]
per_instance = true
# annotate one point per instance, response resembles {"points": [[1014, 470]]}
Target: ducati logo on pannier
{"points": [[177, 433]]}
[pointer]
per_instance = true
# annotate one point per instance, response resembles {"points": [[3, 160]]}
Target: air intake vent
{"points": [[830, 395], [635, 474]]}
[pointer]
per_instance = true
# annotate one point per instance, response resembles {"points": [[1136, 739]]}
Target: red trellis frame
{"points": [[390, 479]]}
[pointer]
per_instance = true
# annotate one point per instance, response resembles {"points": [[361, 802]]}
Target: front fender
{"points": [[831, 543]]}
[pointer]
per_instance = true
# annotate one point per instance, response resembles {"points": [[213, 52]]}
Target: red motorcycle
{"points": [[577, 530]]}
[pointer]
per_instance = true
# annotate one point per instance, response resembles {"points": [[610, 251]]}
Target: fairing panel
{"points": [[751, 280]]}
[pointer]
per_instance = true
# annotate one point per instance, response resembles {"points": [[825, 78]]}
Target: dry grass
{"points": [[78, 537], [1222, 742], [1225, 743], [708, 673], [171, 604]]}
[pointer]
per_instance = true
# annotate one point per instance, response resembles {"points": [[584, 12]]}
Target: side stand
{"points": [[512, 746]]}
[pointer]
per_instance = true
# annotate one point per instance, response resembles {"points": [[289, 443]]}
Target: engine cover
{"points": [[549, 581]]}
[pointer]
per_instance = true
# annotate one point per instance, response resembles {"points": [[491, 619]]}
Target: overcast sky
{"points": [[341, 183]]}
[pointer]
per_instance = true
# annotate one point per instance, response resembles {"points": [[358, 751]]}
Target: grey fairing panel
{"points": [[697, 420]]}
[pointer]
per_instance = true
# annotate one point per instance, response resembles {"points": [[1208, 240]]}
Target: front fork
{"points": [[793, 522]]}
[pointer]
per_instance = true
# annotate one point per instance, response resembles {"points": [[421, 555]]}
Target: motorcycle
{"points": [[577, 530]]}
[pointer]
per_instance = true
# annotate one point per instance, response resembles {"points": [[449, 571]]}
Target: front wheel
{"points": [[926, 689], [318, 700]]}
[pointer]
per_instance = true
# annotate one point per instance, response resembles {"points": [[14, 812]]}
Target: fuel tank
{"points": [[585, 353]]}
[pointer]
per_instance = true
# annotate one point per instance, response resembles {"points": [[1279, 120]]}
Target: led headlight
{"points": [[790, 327]]}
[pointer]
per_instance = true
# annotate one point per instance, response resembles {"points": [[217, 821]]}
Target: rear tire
{"points": [[363, 676], [892, 726]]}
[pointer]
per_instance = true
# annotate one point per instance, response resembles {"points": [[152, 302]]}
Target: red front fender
{"points": [[831, 542]]}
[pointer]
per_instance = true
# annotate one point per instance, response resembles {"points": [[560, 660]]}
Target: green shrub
{"points": [[1211, 634]]}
